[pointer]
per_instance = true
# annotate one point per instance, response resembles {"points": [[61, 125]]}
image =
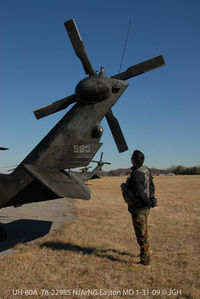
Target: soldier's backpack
{"points": [[128, 195], [147, 186]]}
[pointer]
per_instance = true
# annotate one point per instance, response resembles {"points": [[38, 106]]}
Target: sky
{"points": [[158, 113]]}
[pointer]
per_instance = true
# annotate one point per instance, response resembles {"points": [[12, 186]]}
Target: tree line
{"points": [[178, 170], [181, 170]]}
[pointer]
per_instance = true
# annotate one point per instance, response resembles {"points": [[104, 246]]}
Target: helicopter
{"points": [[75, 139], [94, 174]]}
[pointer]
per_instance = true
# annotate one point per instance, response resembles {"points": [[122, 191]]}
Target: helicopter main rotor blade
{"points": [[78, 46], [116, 132], [101, 162], [141, 68], [101, 156], [3, 148], [55, 106]]}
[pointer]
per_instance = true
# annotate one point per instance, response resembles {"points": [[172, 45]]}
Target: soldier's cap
{"points": [[138, 157]]}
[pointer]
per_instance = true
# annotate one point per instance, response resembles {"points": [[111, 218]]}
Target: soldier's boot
{"points": [[145, 258]]}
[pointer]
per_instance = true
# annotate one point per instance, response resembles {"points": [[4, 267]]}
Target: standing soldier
{"points": [[138, 193]]}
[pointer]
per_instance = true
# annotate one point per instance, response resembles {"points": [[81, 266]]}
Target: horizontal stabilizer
{"points": [[141, 68], [63, 184]]}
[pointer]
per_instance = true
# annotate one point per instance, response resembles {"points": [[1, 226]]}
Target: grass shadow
{"points": [[105, 253]]}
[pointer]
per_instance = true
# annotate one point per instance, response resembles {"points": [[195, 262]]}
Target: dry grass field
{"points": [[96, 255]]}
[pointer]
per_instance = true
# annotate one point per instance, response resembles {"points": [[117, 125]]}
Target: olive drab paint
{"points": [[45, 173]]}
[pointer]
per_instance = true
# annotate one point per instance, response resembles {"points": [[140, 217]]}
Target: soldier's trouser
{"points": [[139, 218]]}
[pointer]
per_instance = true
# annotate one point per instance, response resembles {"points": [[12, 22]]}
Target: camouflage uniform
{"points": [[138, 192], [139, 218]]}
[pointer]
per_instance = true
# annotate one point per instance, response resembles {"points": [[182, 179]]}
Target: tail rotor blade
{"points": [[116, 132], [55, 106], [141, 68], [78, 46]]}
